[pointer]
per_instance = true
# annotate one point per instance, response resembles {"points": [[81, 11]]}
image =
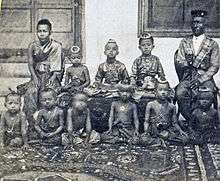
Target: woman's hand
{"points": [[36, 82]]}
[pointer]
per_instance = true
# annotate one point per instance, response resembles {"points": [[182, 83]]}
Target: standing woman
{"points": [[45, 66]]}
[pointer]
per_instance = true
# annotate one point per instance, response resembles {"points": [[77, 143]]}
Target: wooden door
{"points": [[19, 18]]}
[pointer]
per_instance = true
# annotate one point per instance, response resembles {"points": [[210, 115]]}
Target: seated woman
{"points": [[45, 66], [76, 76]]}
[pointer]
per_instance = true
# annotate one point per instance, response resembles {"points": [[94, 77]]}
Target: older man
{"points": [[197, 61]]}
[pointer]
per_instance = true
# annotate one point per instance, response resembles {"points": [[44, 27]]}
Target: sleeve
{"points": [[125, 76], [214, 65], [160, 71], [134, 70], [99, 75], [87, 77], [55, 58], [180, 57]]}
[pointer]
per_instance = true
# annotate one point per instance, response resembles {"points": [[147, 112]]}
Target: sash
{"points": [[205, 49]]}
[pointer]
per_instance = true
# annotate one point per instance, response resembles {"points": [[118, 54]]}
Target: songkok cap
{"points": [[205, 93], [125, 88], [198, 13], [74, 51]]}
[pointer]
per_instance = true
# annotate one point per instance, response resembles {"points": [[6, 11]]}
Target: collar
{"points": [[199, 38]]}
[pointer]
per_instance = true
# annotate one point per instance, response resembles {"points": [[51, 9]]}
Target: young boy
{"points": [[79, 125], [49, 120], [77, 75], [13, 125], [112, 71], [123, 115], [205, 119], [147, 64], [160, 117]]}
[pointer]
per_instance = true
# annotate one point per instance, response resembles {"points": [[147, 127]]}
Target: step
{"points": [[14, 70], [6, 83]]}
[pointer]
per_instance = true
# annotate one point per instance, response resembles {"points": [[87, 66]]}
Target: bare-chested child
{"points": [[160, 117], [49, 120], [77, 75], [79, 125], [204, 121], [13, 125], [123, 120]]}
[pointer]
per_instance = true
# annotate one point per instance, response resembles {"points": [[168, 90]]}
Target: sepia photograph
{"points": [[109, 90]]}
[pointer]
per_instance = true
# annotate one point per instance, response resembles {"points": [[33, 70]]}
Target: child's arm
{"points": [[99, 75], [87, 78], [69, 121], [24, 128], [88, 126], [136, 120], [67, 77], [31, 66], [2, 130], [216, 119], [61, 123], [111, 117]]}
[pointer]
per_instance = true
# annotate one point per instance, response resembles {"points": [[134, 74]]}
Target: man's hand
{"points": [[189, 58], [136, 133], [50, 135], [36, 83], [109, 131], [194, 84]]}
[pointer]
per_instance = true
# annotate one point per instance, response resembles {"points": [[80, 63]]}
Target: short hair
{"points": [[147, 36], [45, 22], [54, 93], [163, 83], [125, 88], [205, 93], [81, 96], [111, 41], [12, 94]]}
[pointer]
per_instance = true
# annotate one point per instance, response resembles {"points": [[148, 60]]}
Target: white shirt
{"points": [[197, 41]]}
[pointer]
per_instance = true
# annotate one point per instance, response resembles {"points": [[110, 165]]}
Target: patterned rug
{"points": [[108, 162]]}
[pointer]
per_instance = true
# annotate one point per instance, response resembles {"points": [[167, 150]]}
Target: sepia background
{"points": [[87, 23]]}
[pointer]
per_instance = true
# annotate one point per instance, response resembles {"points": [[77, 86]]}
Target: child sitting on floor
{"points": [[79, 125], [205, 119], [13, 125], [76, 76], [49, 120], [160, 117], [123, 120]]}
